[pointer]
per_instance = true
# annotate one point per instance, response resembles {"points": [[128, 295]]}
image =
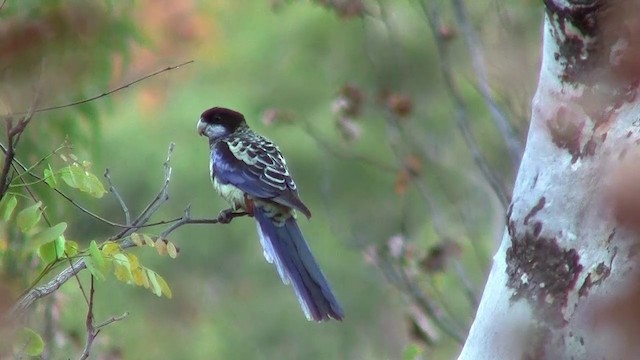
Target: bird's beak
{"points": [[201, 127]]}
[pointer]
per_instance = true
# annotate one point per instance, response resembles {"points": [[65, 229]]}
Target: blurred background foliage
{"points": [[353, 94]]}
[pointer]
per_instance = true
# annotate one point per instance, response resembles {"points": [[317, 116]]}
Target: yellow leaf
{"points": [[161, 247], [110, 248], [134, 263], [140, 277], [137, 239], [171, 250], [148, 240], [164, 287]]}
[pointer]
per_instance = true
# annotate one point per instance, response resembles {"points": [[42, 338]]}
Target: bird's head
{"points": [[218, 122]]}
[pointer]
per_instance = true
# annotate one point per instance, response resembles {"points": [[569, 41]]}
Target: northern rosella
{"points": [[250, 173]]}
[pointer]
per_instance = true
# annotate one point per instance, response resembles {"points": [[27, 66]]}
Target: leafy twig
{"points": [[77, 266]]}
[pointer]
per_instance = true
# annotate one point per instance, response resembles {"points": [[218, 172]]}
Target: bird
{"points": [[250, 173]]}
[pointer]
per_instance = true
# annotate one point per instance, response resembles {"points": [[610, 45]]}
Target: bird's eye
{"points": [[217, 118]]}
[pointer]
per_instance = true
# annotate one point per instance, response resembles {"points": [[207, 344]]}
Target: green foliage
{"points": [[29, 217], [31, 341], [7, 205]]}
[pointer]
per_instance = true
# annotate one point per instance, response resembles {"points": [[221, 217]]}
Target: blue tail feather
{"points": [[285, 247]]}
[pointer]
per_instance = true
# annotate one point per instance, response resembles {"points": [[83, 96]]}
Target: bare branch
{"points": [[223, 218], [94, 330], [513, 143], [342, 153], [169, 68], [116, 194], [462, 113]]}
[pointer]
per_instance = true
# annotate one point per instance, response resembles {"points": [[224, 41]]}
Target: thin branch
{"points": [[77, 205], [77, 266], [462, 113], [116, 194], [94, 330], [169, 68], [186, 219], [340, 152], [2, 5], [513, 143]]}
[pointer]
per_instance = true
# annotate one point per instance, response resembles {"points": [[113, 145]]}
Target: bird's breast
{"points": [[234, 196]]}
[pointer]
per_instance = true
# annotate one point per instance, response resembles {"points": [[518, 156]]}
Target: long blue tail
{"points": [[285, 247]]}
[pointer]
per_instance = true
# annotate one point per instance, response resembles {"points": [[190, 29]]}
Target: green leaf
{"points": [[47, 252], [94, 186], [31, 342], [79, 178], [50, 177], [155, 285], [7, 205], [96, 255], [60, 245], [49, 234], [93, 268], [29, 217], [412, 352], [71, 248]]}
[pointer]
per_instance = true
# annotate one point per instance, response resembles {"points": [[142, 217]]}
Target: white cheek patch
{"points": [[216, 131]]}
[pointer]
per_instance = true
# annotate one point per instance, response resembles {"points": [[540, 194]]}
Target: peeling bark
{"points": [[558, 288]]}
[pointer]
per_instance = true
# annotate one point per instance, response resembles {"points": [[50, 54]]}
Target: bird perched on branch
{"points": [[250, 173]]}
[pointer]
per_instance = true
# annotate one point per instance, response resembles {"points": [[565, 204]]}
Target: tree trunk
{"points": [[564, 282]]}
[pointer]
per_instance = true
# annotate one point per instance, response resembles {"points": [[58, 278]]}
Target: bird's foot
{"points": [[225, 216]]}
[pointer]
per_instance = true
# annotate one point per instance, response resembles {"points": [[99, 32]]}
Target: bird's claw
{"points": [[225, 216]]}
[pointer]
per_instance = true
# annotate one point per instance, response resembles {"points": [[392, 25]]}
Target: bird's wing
{"points": [[257, 168]]}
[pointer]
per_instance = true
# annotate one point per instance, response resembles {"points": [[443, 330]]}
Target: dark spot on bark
{"points": [[623, 153], [636, 122], [586, 285], [582, 17], [589, 148], [534, 210], [556, 56], [629, 134], [511, 228], [565, 130], [537, 229], [535, 180], [603, 137], [542, 273], [601, 272], [509, 212], [581, 341], [613, 233]]}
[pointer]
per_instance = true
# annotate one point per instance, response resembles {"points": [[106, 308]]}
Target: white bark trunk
{"points": [[566, 261]]}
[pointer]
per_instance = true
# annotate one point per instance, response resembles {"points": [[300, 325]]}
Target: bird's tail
{"points": [[285, 247]]}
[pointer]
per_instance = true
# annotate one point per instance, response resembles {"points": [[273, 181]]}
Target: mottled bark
{"points": [[565, 271]]}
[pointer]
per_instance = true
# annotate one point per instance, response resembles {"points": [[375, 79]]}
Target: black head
{"points": [[218, 122]]}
